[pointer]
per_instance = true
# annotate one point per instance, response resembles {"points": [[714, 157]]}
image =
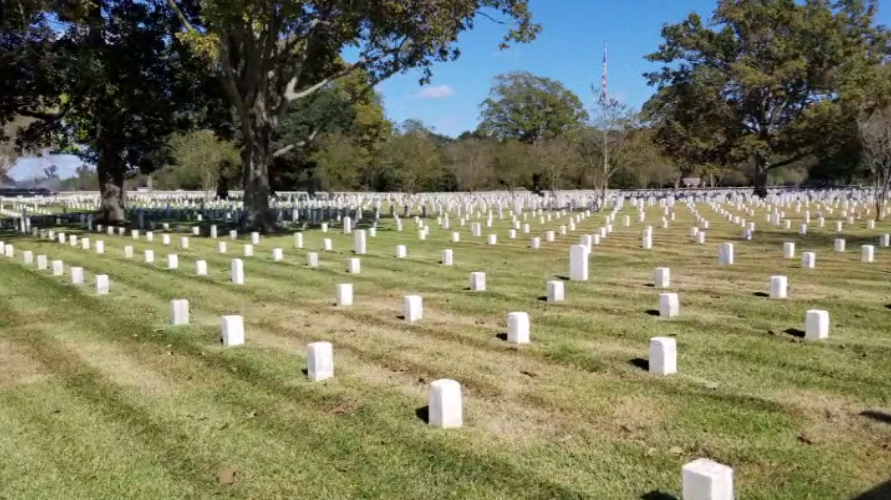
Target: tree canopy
{"points": [[528, 108], [773, 68], [269, 54]]}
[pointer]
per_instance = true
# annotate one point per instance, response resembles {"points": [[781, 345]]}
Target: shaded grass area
{"points": [[102, 399]]}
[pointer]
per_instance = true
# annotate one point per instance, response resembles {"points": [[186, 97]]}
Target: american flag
{"points": [[603, 94]]}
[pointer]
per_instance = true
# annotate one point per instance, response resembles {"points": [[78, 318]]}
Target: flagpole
{"points": [[604, 103]]}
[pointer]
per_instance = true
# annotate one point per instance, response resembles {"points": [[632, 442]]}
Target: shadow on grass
{"points": [[501, 336], [880, 492], [878, 416], [652, 312], [795, 332], [564, 278], [643, 364], [657, 495], [423, 413], [761, 294], [887, 306], [650, 285]]}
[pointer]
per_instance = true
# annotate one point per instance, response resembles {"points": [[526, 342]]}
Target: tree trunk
{"points": [[256, 155], [111, 188], [760, 177]]}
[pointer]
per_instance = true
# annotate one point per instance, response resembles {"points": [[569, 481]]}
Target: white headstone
{"points": [[298, 240], [77, 276], [249, 250], [28, 257], [320, 358], [41, 262], [778, 287], [180, 311], [492, 239], [236, 272], [102, 284], [669, 306], [401, 251], [233, 331], [184, 242], [788, 250], [255, 238], [839, 245], [447, 257], [345, 294], [222, 247], [808, 260], [445, 406], [578, 263], [725, 254], [312, 259], [556, 291], [413, 308], [149, 256], [816, 325], [663, 356], [662, 277], [359, 242], [867, 253], [58, 268], [704, 479], [354, 265], [201, 267], [478, 281], [518, 328], [278, 254]]}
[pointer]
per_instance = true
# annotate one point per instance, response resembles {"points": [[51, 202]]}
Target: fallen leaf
{"points": [[528, 373], [226, 476], [804, 438]]}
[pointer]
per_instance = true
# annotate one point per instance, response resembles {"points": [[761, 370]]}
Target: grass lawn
{"points": [[100, 398]]}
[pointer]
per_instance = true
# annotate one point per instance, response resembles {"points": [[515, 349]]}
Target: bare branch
{"points": [[487, 16], [180, 15]]}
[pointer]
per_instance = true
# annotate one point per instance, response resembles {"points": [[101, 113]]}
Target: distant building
{"points": [[691, 182]]}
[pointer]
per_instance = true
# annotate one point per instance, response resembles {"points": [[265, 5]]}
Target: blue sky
{"points": [[569, 49]]}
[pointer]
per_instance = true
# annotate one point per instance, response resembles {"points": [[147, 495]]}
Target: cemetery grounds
{"points": [[101, 398]]}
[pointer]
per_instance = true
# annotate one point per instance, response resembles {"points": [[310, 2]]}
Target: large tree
{"points": [[772, 62], [270, 53], [104, 80], [529, 108]]}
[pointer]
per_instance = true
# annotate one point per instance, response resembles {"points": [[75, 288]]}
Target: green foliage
{"points": [[104, 80], [269, 54], [764, 64], [528, 108], [414, 157], [200, 160]]}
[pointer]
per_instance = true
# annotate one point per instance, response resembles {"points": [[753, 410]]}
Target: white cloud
{"points": [[436, 92]]}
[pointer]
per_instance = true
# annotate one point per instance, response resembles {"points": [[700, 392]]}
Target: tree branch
{"points": [[180, 15]]}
